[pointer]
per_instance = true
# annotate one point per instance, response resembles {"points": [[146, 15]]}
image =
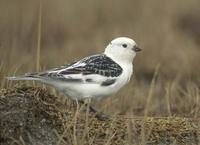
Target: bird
{"points": [[95, 76]]}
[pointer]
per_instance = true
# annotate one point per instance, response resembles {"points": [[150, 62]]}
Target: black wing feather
{"points": [[96, 64]]}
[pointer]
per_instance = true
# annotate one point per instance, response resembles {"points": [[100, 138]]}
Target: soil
{"points": [[32, 116]]}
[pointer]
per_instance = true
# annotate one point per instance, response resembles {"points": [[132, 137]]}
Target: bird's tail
{"points": [[24, 77]]}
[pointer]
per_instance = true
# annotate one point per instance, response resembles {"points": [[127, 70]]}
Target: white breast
{"points": [[126, 75]]}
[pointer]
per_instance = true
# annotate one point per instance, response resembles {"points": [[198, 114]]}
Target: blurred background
{"points": [[66, 31]]}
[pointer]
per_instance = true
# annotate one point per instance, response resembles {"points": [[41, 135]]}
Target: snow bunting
{"points": [[94, 76]]}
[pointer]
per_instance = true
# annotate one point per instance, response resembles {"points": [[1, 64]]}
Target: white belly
{"points": [[83, 91], [90, 90]]}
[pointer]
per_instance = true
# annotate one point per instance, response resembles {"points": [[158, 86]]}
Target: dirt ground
{"points": [[32, 116]]}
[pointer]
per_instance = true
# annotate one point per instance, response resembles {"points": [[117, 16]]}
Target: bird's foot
{"points": [[102, 117], [99, 116]]}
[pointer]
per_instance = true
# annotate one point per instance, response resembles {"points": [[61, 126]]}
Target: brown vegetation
{"points": [[33, 116]]}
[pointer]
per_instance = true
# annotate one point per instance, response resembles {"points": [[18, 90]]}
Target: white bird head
{"points": [[122, 49]]}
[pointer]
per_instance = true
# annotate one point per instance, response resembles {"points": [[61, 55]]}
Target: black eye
{"points": [[124, 45]]}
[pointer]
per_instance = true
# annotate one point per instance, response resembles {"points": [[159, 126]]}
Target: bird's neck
{"points": [[120, 58]]}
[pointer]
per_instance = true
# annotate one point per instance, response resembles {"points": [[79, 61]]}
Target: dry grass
{"points": [[31, 115], [36, 35]]}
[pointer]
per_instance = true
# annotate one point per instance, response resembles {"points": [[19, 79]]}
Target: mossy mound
{"points": [[33, 116]]}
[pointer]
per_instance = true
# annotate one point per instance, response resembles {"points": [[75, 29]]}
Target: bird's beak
{"points": [[136, 49]]}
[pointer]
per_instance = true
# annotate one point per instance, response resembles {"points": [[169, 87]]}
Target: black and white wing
{"points": [[99, 65], [96, 64]]}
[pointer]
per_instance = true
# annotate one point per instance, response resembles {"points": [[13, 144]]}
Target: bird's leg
{"points": [[102, 117], [81, 102], [92, 110], [99, 116]]}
